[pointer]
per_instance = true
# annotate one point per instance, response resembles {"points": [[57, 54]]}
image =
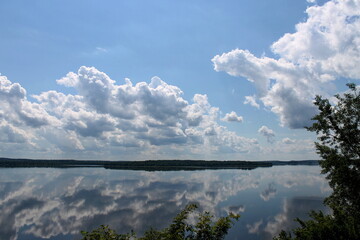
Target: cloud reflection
{"points": [[293, 208], [269, 192], [48, 203]]}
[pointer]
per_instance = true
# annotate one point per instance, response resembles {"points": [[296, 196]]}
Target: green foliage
{"points": [[179, 229], [338, 130], [329, 227], [105, 233]]}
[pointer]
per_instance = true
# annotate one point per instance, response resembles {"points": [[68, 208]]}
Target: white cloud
{"points": [[109, 118], [99, 50], [289, 96], [66, 141], [324, 47], [17, 109], [268, 133], [299, 149], [288, 141], [232, 117], [252, 101], [328, 42], [11, 134]]}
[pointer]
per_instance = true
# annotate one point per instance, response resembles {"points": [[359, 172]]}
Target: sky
{"points": [[190, 79]]}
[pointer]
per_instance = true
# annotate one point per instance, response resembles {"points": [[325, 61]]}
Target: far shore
{"points": [[148, 165]]}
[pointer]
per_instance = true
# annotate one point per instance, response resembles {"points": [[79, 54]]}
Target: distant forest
{"points": [[148, 165]]}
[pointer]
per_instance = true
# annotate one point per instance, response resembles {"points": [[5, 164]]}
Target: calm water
{"points": [[40, 203]]}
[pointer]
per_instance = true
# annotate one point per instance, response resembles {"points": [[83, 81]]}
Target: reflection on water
{"points": [[58, 203]]}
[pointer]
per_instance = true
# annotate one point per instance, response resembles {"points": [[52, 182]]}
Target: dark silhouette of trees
{"points": [[179, 229], [338, 130]]}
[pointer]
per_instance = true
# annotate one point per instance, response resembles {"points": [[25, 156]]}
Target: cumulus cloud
{"points": [[232, 117], [11, 134], [106, 117], [268, 133], [324, 48], [15, 107]]}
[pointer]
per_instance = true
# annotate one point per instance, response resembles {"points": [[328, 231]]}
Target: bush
{"points": [[180, 228]]}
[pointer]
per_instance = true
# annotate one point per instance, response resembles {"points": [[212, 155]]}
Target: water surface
{"points": [[49, 203]]}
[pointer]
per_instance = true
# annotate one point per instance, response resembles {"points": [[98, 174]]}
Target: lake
{"points": [[55, 203]]}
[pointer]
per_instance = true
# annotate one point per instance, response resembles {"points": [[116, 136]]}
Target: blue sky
{"points": [[170, 79]]}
